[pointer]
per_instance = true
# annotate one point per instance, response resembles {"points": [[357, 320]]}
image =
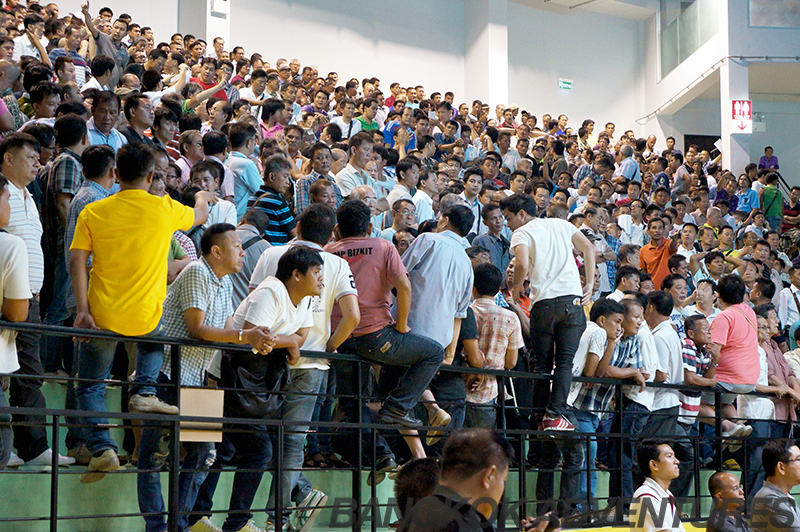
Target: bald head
{"points": [[130, 81], [362, 192]]}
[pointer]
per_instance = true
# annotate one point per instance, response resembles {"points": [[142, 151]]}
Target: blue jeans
{"points": [[401, 386], [95, 358], [323, 411], [634, 418], [298, 405], [587, 423], [153, 452], [56, 351], [556, 328]]}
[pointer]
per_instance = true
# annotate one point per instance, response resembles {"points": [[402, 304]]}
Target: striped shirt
{"points": [[66, 177], [301, 197], [281, 220], [196, 287], [697, 361], [26, 224]]}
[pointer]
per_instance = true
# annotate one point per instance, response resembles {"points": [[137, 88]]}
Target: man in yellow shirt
{"points": [[128, 237]]}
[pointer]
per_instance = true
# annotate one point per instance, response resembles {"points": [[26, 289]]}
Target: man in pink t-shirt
{"points": [[734, 337], [409, 361]]}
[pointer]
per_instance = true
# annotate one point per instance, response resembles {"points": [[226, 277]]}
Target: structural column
{"points": [[486, 58], [733, 85], [205, 19]]}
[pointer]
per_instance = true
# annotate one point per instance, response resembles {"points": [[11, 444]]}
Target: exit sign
{"points": [[565, 84]]}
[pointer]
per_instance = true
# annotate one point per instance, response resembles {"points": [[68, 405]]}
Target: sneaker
{"points": [[383, 466], [731, 465], [99, 466], [57, 376], [81, 455], [250, 527], [151, 404], [390, 416], [270, 526], [440, 419], [14, 461], [46, 459], [557, 423], [204, 525], [304, 519]]}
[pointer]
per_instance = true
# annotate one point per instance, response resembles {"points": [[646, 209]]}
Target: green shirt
{"points": [[772, 201], [367, 126]]}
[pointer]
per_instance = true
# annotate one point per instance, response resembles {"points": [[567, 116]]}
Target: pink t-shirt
{"points": [[375, 264], [735, 330]]}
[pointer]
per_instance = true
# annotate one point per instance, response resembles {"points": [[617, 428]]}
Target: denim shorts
{"points": [[729, 392]]}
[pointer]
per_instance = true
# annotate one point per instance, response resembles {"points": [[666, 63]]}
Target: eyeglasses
{"points": [[791, 460], [738, 488]]}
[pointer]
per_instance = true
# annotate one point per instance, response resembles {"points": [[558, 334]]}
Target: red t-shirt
{"points": [[375, 264], [219, 94]]}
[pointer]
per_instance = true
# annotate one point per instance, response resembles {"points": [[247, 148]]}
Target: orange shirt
{"points": [[653, 260]]}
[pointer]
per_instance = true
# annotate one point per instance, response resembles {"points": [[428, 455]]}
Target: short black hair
{"points": [[211, 236], [239, 133], [487, 280], [315, 224], [661, 302], [42, 90], [731, 289], [468, 451], [605, 307], [18, 141], [669, 281], [766, 287], [214, 142], [70, 130], [519, 202], [691, 321], [353, 218], [97, 160], [43, 133], [101, 64], [132, 102], [150, 79], [460, 217], [773, 452], [134, 162], [625, 271], [103, 97], [71, 108], [300, 258], [648, 450]]}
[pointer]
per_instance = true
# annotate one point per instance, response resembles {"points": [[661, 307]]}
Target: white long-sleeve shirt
{"points": [[788, 312]]}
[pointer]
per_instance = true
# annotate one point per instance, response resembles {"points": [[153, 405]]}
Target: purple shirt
{"points": [[768, 162]]}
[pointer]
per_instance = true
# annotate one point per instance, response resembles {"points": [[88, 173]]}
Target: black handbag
{"points": [[256, 383]]}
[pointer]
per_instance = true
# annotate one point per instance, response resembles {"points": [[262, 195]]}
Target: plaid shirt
{"points": [[630, 356], [88, 193], [499, 330], [301, 198], [198, 287], [596, 398], [614, 244], [66, 177]]}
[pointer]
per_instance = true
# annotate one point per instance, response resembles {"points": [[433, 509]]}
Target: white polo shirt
{"points": [[13, 285], [26, 224]]}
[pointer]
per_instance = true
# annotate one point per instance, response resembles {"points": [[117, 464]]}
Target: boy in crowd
{"points": [[499, 342]]}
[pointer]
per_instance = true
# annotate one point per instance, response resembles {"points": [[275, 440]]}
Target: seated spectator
{"points": [[206, 176], [105, 114], [773, 508], [652, 508], [322, 191], [270, 200], [727, 510]]}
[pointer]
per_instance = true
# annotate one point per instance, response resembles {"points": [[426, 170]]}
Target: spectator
{"points": [[250, 230], [110, 45], [727, 510], [773, 508], [768, 161], [127, 309], [497, 244], [270, 200], [14, 296], [139, 112], [557, 321], [105, 114], [653, 500], [321, 160]]}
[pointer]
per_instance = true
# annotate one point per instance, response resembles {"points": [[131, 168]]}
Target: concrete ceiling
{"points": [[628, 9], [769, 81]]}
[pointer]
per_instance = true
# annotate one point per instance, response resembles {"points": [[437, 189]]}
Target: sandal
{"points": [[335, 461]]}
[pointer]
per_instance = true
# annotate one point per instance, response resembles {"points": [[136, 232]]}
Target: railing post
{"points": [[360, 448], [175, 445], [620, 455], [279, 469], [54, 475]]}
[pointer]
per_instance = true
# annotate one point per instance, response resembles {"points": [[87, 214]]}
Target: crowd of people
{"points": [[165, 189]]}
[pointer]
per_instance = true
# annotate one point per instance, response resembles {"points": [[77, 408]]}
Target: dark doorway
{"points": [[703, 142]]}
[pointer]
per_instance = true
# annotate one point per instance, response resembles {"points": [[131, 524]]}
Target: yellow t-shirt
{"points": [[129, 236]]}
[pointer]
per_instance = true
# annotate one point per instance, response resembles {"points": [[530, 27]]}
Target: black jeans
{"points": [[30, 440], [556, 328], [571, 447]]}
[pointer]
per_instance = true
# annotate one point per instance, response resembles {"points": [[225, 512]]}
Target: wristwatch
{"points": [[240, 336]]}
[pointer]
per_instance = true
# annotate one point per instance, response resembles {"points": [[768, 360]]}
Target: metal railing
{"points": [[521, 437]]}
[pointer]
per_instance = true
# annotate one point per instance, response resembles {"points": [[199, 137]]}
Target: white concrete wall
{"points": [[160, 15], [605, 65], [411, 41]]}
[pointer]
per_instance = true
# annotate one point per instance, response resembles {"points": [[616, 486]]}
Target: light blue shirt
{"points": [[630, 169], [441, 284], [246, 180], [115, 139]]}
